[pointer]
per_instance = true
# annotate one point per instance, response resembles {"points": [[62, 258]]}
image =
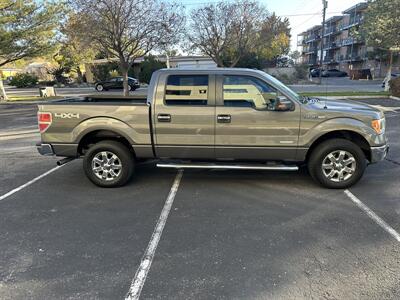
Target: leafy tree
{"points": [[148, 66], [103, 71], [381, 28], [27, 29], [63, 66], [128, 29], [75, 48], [240, 33], [224, 31]]}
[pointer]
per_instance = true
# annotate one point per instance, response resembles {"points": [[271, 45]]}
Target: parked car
{"points": [[315, 72], [333, 73], [394, 75], [117, 83], [218, 118]]}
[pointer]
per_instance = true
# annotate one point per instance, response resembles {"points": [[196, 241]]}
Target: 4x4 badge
{"points": [[66, 115]]}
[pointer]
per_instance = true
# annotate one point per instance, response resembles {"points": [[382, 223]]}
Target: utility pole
{"points": [[321, 58]]}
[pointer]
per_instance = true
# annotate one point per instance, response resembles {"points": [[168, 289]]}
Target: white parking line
{"points": [[373, 215], [29, 183], [145, 264]]}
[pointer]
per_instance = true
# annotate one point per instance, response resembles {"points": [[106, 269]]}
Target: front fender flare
{"points": [[340, 124]]}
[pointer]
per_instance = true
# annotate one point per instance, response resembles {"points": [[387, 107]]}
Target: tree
{"points": [[148, 66], [128, 29], [223, 30], [274, 39], [75, 48], [381, 28], [27, 29], [270, 46], [240, 33]]}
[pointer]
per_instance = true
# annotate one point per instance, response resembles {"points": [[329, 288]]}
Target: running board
{"points": [[228, 166]]}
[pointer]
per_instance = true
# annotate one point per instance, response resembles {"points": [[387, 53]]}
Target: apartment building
{"points": [[341, 50]]}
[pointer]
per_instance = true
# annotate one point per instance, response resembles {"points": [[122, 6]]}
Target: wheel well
{"points": [[96, 136], [352, 136]]}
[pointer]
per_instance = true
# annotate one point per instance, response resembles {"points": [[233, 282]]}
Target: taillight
{"points": [[44, 121]]}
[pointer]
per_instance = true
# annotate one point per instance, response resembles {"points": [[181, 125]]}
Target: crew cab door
{"points": [[254, 121], [184, 116]]}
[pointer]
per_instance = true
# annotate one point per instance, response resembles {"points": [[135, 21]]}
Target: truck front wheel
{"points": [[108, 164], [337, 163]]}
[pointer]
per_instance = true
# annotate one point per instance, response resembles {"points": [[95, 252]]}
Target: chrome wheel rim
{"points": [[106, 166], [339, 166], [99, 87]]}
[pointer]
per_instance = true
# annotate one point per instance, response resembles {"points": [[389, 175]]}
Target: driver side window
{"points": [[247, 91]]}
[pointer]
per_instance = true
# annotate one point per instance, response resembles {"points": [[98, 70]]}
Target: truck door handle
{"points": [[164, 118], [224, 118]]}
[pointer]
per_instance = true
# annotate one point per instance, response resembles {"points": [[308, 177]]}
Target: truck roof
{"points": [[206, 70]]}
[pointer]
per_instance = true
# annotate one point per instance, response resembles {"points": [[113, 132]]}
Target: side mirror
{"points": [[282, 105]]}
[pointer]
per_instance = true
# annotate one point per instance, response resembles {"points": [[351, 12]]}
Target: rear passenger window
{"points": [[186, 90]]}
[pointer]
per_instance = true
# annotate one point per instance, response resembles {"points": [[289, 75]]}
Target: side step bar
{"points": [[228, 166]]}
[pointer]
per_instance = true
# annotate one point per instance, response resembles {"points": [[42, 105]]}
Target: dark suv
{"points": [[333, 73], [117, 83]]}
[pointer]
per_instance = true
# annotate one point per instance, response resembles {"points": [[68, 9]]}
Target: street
{"points": [[328, 85], [228, 235]]}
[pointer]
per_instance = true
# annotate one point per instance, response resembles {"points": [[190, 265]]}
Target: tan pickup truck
{"points": [[215, 118]]}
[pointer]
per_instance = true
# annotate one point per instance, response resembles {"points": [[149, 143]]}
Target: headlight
{"points": [[378, 125]]}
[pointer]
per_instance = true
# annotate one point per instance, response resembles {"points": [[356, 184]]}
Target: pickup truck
{"points": [[216, 118]]}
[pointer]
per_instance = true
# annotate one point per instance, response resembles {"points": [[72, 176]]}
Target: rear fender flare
{"points": [[102, 123]]}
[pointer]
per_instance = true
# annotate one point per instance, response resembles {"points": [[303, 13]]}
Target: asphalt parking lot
{"points": [[228, 235]]}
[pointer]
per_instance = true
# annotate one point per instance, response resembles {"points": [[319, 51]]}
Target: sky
{"points": [[302, 14]]}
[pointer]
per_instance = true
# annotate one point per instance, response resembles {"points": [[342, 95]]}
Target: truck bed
{"points": [[73, 119]]}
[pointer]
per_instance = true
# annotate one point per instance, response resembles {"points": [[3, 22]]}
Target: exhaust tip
{"points": [[64, 161]]}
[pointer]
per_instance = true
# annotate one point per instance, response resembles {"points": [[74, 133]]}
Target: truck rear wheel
{"points": [[337, 163], [109, 164]]}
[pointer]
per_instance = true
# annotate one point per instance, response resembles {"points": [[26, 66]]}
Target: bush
{"points": [[285, 78], [103, 71], [149, 65], [395, 86], [24, 80], [301, 71]]}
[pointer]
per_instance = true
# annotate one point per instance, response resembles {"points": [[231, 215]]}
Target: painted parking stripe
{"points": [[373, 215], [29, 183], [145, 264]]}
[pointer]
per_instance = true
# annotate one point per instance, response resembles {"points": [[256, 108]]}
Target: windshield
{"points": [[280, 86]]}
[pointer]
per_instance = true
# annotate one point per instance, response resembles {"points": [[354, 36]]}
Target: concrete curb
{"points": [[22, 102], [394, 98]]}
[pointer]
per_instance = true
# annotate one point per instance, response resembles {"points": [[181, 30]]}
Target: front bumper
{"points": [[379, 153], [45, 149]]}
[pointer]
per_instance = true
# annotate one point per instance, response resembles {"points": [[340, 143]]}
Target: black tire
{"points": [[320, 154], [125, 163], [100, 88], [133, 88]]}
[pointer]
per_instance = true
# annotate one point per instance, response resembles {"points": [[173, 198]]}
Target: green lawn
{"points": [[32, 98], [344, 94]]}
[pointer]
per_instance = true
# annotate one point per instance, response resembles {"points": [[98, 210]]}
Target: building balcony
{"points": [[331, 60], [355, 57], [312, 38], [331, 30], [352, 22], [350, 41], [309, 50], [301, 43], [311, 61], [332, 45]]}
